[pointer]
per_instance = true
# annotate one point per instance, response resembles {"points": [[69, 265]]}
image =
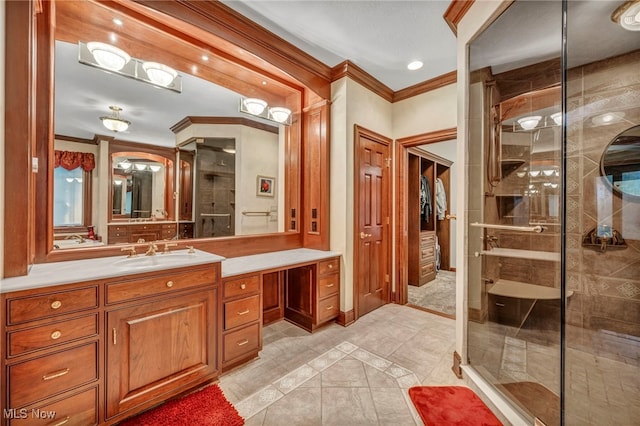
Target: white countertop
{"points": [[258, 262], [55, 273]]}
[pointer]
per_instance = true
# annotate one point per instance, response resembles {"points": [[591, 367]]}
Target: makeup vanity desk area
{"points": [[301, 286]]}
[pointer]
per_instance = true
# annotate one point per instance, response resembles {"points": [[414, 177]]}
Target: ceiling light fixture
{"points": [[254, 105], [108, 56], [607, 118], [280, 114], [159, 74], [628, 15], [528, 123], [415, 65], [114, 122]]}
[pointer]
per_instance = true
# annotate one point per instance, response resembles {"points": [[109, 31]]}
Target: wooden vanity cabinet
{"points": [[50, 355], [242, 313], [148, 231], [100, 351], [312, 294], [161, 342]]}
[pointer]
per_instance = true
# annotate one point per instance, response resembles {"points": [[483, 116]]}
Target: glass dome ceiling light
{"points": [[114, 122], [108, 56]]}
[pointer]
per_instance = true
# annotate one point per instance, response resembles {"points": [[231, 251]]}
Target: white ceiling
{"points": [[381, 37]]}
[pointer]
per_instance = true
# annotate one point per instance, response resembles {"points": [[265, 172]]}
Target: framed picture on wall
{"points": [[266, 186]]}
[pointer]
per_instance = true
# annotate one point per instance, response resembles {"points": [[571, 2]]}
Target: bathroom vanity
{"points": [[97, 341]]}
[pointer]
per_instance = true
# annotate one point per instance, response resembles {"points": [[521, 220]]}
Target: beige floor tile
{"points": [[348, 406]]}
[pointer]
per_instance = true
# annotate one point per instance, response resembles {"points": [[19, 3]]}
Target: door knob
{"points": [[363, 235]]}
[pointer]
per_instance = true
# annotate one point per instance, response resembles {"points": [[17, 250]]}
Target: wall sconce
{"points": [[259, 108], [112, 59], [114, 122]]}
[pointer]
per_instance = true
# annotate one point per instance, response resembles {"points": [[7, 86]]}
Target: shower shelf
{"points": [[523, 254], [520, 290]]}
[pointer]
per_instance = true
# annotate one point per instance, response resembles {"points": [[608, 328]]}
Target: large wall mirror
{"points": [[174, 155], [620, 163]]}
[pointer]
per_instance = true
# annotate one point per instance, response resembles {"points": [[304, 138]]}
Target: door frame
{"points": [[359, 131], [402, 145]]}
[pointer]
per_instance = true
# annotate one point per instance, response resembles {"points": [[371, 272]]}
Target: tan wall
{"points": [[606, 285]]}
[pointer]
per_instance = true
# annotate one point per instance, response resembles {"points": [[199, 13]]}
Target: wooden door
{"points": [[372, 211]]}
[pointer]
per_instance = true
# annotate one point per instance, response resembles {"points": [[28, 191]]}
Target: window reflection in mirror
{"points": [[620, 163]]}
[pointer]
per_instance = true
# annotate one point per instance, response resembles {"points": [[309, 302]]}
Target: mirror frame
{"points": [[616, 190], [242, 45]]}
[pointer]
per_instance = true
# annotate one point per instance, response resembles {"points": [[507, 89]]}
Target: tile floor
{"points": [[356, 375], [438, 295]]}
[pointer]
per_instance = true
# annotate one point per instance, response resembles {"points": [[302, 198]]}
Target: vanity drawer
{"points": [[427, 239], [168, 233], [328, 285], [76, 410], [241, 312], [44, 336], [241, 286], [328, 266], [48, 305], [46, 376], [241, 342], [427, 252], [328, 308], [427, 268], [158, 284]]}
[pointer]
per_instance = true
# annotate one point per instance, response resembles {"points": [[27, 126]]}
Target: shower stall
{"points": [[552, 278]]}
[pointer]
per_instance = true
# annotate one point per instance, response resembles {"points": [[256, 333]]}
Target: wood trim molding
{"points": [[455, 12], [402, 147], [357, 74], [240, 121], [426, 86], [346, 318], [94, 141]]}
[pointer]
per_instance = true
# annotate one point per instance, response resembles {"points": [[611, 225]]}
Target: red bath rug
{"points": [[206, 407], [451, 405]]}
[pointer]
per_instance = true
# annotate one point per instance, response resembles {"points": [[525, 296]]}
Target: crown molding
{"points": [[455, 12], [241, 121], [357, 74], [426, 86]]}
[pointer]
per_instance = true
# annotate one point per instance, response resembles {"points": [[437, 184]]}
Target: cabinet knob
{"points": [[56, 335], [56, 304], [330, 266], [243, 286], [169, 284]]}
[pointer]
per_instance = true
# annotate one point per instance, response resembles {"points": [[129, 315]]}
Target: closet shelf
{"points": [[523, 254], [520, 290]]}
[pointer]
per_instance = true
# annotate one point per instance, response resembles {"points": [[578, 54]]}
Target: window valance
{"points": [[71, 160]]}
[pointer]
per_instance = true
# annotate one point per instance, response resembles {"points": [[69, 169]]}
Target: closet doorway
{"points": [[426, 185]]}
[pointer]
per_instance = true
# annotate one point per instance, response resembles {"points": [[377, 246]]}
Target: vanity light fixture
{"points": [[534, 173], [155, 167], [528, 123], [557, 118], [108, 56], [159, 74], [126, 165], [548, 172], [114, 122], [280, 114], [554, 185], [69, 180], [628, 15], [254, 106], [140, 166], [521, 174]]}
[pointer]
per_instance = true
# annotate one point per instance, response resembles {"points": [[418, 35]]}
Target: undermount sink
{"points": [[142, 261]]}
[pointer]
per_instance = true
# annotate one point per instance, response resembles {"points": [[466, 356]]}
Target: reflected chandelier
{"points": [[114, 122]]}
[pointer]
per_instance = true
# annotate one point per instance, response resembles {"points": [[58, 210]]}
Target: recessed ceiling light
{"points": [[113, 37], [205, 58], [264, 83], [194, 69], [415, 65], [118, 21]]}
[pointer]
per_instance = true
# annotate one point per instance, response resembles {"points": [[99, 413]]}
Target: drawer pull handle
{"points": [[500, 304], [329, 307], [62, 422], [169, 284], [243, 286], [56, 304], [330, 285], [243, 342], [114, 334], [55, 374], [56, 335], [245, 312]]}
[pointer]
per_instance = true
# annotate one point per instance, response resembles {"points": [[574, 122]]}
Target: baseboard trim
{"points": [[477, 315], [346, 318], [452, 269]]}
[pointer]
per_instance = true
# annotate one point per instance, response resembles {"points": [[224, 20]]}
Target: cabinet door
{"points": [[156, 348]]}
